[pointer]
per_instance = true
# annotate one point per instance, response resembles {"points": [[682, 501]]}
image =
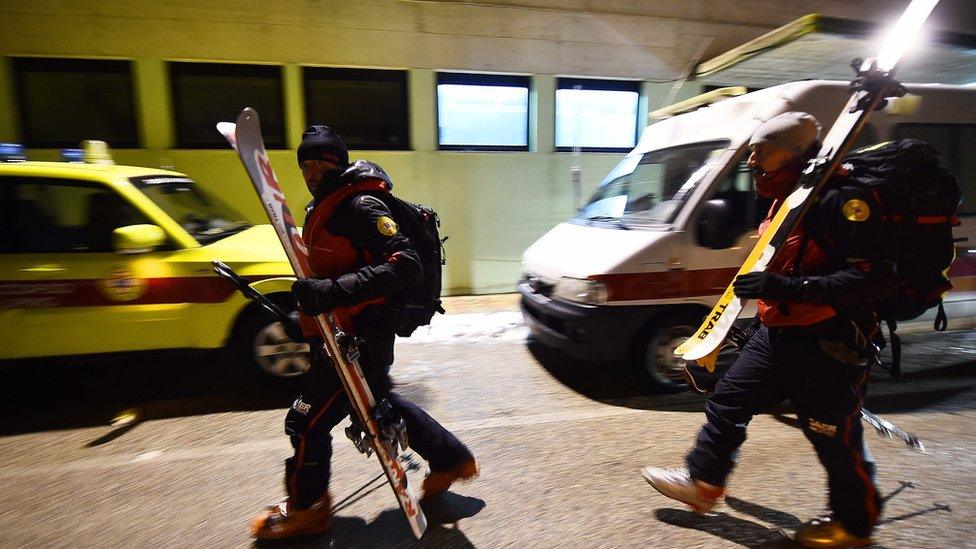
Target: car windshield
{"points": [[649, 189], [204, 217]]}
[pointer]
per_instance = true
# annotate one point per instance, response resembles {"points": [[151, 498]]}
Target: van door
{"points": [[726, 230], [63, 290]]}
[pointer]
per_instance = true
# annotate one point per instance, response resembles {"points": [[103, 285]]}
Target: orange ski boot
{"points": [[279, 522], [825, 532], [437, 482]]}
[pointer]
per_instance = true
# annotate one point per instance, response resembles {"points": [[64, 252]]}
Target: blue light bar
{"points": [[73, 155], [12, 152]]}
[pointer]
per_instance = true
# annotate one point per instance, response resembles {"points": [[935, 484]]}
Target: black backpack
{"points": [[417, 305], [919, 199]]}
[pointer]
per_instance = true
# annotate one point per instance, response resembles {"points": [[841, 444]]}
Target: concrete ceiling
{"points": [[826, 49]]}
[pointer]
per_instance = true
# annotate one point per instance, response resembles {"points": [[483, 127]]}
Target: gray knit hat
{"points": [[794, 131]]}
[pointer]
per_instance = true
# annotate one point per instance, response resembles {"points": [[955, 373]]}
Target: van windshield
{"points": [[204, 217], [649, 189]]}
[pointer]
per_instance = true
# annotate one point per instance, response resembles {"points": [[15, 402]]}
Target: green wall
{"points": [[492, 205]]}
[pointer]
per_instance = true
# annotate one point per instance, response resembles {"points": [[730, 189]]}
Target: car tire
{"points": [[260, 344], [654, 360]]}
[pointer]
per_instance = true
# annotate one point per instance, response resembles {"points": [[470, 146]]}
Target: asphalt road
{"points": [[560, 444]]}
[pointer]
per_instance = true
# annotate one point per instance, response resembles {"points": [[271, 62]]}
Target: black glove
{"points": [[293, 328], [768, 286], [315, 295]]}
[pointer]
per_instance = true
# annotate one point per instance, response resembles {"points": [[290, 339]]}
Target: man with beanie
{"points": [[815, 343], [358, 259]]}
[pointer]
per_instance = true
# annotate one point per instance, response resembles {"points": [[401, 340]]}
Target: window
{"points": [[955, 142], [596, 115], [65, 101], [205, 217], [367, 107], [482, 112], [650, 189], [58, 215], [207, 93]]}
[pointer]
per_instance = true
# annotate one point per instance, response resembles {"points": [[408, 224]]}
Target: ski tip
{"points": [[248, 114], [421, 527], [683, 348], [695, 352], [125, 418], [229, 131]]}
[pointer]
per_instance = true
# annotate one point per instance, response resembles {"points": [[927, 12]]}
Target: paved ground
{"points": [[560, 445]]}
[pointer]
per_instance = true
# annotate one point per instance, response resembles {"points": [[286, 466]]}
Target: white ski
{"points": [[246, 139], [874, 83]]}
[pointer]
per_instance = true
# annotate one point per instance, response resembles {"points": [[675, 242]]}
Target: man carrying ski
{"points": [[814, 346], [358, 259]]}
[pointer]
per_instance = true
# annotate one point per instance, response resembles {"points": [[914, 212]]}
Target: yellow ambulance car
{"points": [[99, 258]]}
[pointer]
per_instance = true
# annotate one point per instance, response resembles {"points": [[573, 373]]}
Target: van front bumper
{"points": [[598, 334]]}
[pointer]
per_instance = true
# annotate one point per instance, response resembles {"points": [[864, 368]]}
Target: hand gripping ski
{"points": [[245, 137], [873, 84]]}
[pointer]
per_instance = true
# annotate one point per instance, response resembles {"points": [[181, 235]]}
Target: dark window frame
{"points": [[475, 79], [309, 74], [22, 99], [8, 188], [194, 68], [598, 84]]}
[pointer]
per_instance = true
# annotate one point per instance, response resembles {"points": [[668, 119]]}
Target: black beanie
{"points": [[322, 139]]}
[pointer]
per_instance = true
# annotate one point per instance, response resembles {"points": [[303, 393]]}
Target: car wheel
{"points": [[261, 344], [655, 360]]}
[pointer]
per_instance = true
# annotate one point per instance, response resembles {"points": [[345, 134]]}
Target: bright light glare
{"points": [[904, 32]]}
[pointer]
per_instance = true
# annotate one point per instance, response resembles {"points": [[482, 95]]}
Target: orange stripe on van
{"points": [[964, 264], [666, 284], [679, 283]]}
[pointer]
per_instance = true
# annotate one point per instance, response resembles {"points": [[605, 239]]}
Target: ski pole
{"points": [[885, 428], [223, 270]]}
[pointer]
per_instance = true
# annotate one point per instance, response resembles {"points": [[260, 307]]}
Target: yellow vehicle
{"points": [[99, 258]]}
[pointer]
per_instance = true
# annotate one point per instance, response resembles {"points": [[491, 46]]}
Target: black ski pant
{"points": [[322, 405], [790, 363]]}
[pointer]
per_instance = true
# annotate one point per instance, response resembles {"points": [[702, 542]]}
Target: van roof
{"points": [[102, 172], [822, 98]]}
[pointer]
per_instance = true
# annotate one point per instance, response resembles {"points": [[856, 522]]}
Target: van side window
{"points": [[58, 215], [740, 190], [956, 142], [735, 209]]}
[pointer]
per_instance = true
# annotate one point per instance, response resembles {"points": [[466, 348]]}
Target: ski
{"points": [[874, 83], [371, 430]]}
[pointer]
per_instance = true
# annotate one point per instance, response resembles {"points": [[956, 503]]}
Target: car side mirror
{"points": [[137, 239], [715, 227]]}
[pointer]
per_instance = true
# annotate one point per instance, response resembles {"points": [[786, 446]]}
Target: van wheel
{"points": [[261, 344], [655, 362]]}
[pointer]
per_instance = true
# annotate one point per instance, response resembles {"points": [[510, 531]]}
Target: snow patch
{"points": [[470, 328]]}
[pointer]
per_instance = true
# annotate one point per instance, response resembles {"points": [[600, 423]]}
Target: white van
{"points": [[634, 272]]}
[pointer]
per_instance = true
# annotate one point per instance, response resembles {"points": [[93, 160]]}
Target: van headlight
{"points": [[580, 290]]}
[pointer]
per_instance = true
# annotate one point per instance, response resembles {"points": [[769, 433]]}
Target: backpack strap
{"points": [[895, 348]]}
